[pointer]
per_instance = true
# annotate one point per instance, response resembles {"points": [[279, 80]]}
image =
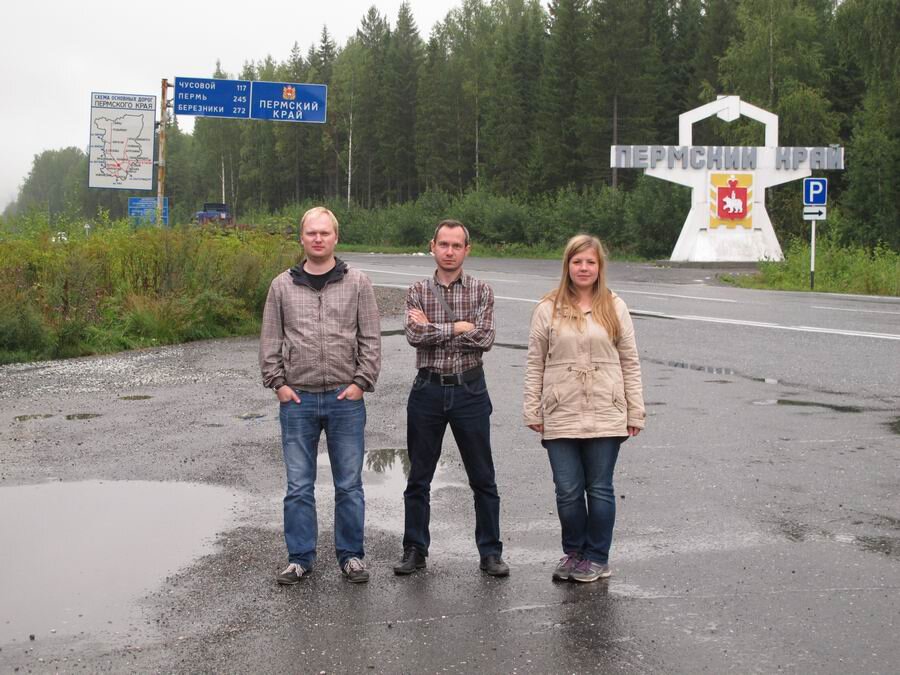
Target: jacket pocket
{"points": [[619, 402], [550, 401]]}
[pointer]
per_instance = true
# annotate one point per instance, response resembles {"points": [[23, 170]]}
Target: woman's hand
{"points": [[633, 431], [539, 428]]}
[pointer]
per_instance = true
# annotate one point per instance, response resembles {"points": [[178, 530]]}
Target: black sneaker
{"points": [[494, 565], [355, 571], [411, 561], [292, 575]]}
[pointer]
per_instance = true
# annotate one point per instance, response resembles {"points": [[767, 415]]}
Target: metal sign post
{"points": [[815, 197], [812, 257]]}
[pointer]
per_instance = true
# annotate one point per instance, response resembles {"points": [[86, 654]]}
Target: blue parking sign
{"points": [[815, 191]]}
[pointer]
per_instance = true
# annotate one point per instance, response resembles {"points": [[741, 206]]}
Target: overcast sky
{"points": [[54, 53]]}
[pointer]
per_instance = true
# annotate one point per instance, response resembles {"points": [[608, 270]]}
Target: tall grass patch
{"points": [[115, 288]]}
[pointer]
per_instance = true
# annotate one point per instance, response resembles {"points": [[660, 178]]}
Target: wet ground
{"points": [[758, 520]]}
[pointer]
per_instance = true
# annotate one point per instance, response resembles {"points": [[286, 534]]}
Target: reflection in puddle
{"points": [[26, 418], [385, 472], [82, 416], [380, 460], [136, 397], [85, 552]]}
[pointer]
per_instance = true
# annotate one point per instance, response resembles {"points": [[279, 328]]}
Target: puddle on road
{"points": [[27, 418], [809, 404], [136, 397], [251, 416], [86, 552], [385, 471], [83, 416]]}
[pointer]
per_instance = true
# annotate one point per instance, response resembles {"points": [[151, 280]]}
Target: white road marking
{"points": [[846, 309], [733, 322], [425, 274], [673, 295]]}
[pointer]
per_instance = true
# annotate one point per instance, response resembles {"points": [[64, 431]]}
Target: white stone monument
{"points": [[728, 220]]}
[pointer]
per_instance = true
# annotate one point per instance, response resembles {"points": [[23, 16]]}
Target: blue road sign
{"points": [[206, 97], [143, 209], [815, 191], [288, 102]]}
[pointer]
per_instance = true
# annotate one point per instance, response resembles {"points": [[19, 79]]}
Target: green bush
{"points": [[23, 334], [839, 269]]}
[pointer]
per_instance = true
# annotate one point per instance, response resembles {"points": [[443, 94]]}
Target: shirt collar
{"points": [[462, 279]]}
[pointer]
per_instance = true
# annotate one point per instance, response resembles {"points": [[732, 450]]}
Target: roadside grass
{"points": [[839, 269], [118, 288]]}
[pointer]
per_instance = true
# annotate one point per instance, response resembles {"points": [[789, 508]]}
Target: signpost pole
{"points": [[161, 164], [812, 258]]}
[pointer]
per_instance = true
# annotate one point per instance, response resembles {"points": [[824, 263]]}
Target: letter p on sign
{"points": [[815, 191]]}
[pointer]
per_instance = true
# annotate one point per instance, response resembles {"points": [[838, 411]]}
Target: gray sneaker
{"points": [[355, 571], [292, 574], [587, 571], [566, 565]]}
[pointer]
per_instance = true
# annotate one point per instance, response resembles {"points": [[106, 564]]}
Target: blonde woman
{"points": [[583, 395]]}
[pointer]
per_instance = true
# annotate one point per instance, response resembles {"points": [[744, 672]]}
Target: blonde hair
{"points": [[565, 297], [318, 211]]}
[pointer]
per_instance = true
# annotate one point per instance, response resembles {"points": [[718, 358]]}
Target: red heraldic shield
{"points": [[732, 202]]}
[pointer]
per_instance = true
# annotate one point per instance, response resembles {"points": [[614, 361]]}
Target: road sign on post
{"points": [[814, 212], [142, 210], [815, 191], [206, 97], [815, 197], [243, 99], [287, 102]]}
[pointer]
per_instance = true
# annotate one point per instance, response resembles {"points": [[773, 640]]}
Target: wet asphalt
{"points": [[758, 514]]}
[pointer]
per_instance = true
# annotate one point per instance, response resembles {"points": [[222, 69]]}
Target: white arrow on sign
{"points": [[814, 212]]}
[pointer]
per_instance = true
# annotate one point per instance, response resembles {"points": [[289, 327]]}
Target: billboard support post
{"points": [[161, 163]]}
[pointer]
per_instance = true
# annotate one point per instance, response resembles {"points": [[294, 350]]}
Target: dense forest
{"points": [[520, 101]]}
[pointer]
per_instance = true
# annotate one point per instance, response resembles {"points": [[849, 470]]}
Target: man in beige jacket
{"points": [[320, 350]]}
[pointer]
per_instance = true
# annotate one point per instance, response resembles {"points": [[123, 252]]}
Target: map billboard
{"points": [[122, 141]]}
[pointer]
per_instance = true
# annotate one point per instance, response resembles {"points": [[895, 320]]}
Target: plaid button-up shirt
{"points": [[437, 348]]}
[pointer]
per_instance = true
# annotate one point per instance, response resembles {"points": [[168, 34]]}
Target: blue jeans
{"points": [[344, 423], [467, 409], [583, 475]]}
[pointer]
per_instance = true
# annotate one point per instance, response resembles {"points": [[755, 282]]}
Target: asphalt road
{"points": [[758, 524]]}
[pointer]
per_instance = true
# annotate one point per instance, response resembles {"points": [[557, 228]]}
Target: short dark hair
{"points": [[450, 224]]}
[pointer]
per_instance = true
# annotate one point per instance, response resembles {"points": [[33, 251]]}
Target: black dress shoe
{"points": [[411, 561], [494, 565]]}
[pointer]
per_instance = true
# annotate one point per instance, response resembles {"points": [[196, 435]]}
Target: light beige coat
{"points": [[580, 384]]}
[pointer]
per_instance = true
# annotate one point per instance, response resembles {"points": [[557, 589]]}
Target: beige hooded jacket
{"points": [[581, 385]]}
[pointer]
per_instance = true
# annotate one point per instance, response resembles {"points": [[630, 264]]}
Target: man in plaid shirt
{"points": [[450, 322]]}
